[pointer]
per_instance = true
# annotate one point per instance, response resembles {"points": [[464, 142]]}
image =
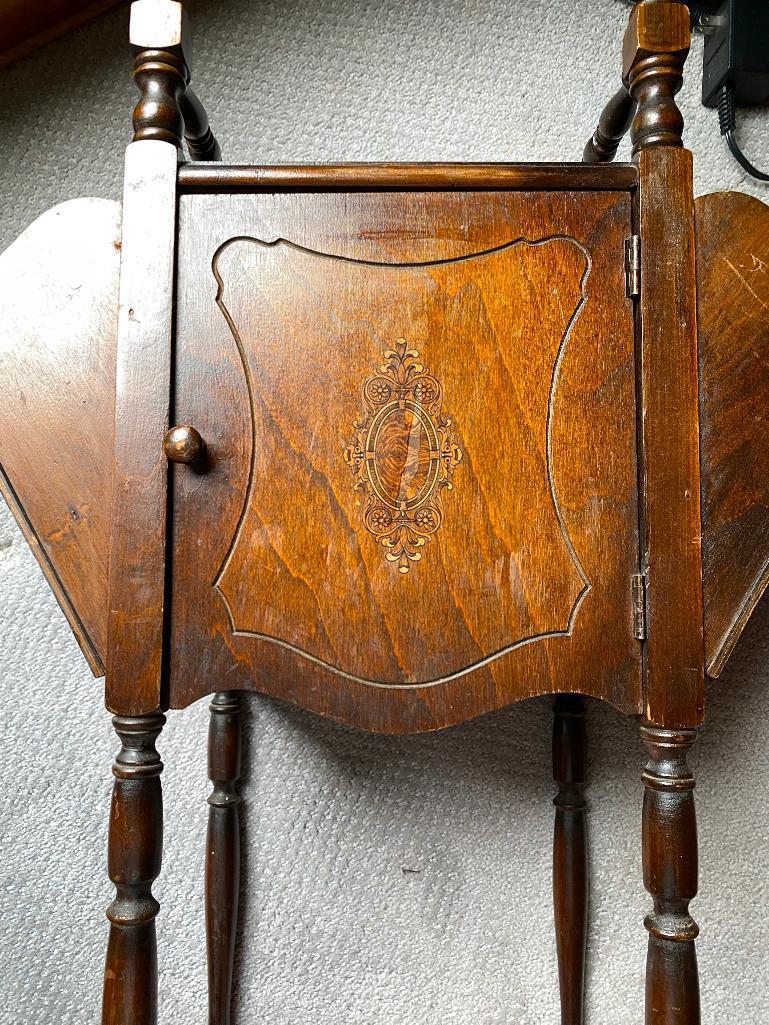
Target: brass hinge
{"points": [[638, 595], [633, 266]]}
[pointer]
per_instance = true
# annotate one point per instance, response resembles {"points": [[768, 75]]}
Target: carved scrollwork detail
{"points": [[403, 455]]}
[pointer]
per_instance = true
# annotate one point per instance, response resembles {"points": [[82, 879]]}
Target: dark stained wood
{"points": [[168, 108], [656, 47], [422, 402], [58, 295], [506, 600], [222, 852], [419, 499], [733, 310], [138, 530], [159, 36], [183, 444], [200, 140], [570, 862], [417, 386], [670, 438], [204, 178], [613, 126], [670, 876], [135, 850], [159, 76]]}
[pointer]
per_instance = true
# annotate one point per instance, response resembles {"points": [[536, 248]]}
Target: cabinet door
{"points": [[420, 500]]}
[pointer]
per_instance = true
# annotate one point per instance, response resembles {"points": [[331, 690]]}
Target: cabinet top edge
{"points": [[214, 177]]}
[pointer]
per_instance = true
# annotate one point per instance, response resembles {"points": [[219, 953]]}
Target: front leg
{"points": [[670, 876], [135, 848]]}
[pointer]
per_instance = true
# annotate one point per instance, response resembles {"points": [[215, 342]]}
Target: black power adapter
{"points": [[737, 53], [736, 72]]}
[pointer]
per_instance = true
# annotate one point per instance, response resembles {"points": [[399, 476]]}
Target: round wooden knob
{"points": [[184, 444]]}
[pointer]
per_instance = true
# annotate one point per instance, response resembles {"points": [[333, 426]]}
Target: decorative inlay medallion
{"points": [[402, 455]]}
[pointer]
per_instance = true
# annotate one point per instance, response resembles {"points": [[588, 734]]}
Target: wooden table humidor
{"points": [[400, 444]]}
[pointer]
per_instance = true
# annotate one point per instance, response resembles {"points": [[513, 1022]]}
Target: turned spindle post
{"points": [[613, 126], [135, 849], [570, 869], [200, 140], [159, 75], [655, 50], [656, 47], [670, 876], [222, 852], [168, 109]]}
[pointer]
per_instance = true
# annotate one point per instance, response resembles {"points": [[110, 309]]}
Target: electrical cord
{"points": [[727, 119]]}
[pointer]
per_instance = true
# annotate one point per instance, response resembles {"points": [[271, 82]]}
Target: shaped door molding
{"points": [[245, 270]]}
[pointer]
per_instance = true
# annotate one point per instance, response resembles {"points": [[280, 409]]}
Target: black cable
{"points": [[727, 119]]}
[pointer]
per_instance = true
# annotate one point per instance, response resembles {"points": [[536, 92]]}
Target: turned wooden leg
{"points": [[222, 853], [135, 849], [670, 876], [570, 879]]}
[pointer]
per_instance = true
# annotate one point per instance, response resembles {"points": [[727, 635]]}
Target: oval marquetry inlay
{"points": [[402, 455]]}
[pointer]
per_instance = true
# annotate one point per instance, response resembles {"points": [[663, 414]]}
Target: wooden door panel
{"points": [[314, 374], [420, 501]]}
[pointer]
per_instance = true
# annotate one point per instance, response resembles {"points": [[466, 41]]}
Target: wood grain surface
{"points": [[130, 993], [58, 322], [670, 436], [143, 381], [613, 126], [733, 305], [218, 178], [515, 303], [670, 871]]}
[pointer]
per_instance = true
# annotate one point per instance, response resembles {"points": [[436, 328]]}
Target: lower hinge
{"points": [[633, 266], [638, 595]]}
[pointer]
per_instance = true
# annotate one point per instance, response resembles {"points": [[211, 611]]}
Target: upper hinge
{"points": [[638, 597], [633, 266]]}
